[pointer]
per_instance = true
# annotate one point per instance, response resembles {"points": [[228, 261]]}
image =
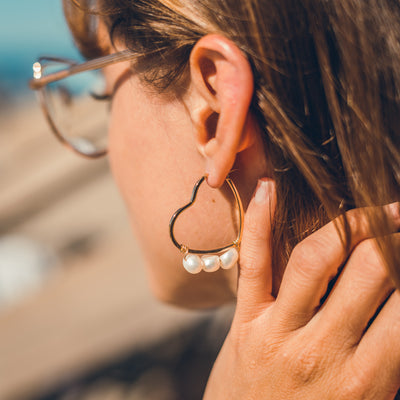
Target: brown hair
{"points": [[327, 92]]}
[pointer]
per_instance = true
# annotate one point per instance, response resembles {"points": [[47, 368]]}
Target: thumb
{"points": [[255, 265]]}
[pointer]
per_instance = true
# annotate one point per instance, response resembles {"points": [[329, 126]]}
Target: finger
{"points": [[255, 275], [316, 260], [362, 287], [379, 349]]}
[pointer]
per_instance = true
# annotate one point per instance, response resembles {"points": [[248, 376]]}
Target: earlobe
{"points": [[223, 88]]}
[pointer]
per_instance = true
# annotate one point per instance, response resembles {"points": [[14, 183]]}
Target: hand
{"points": [[292, 347]]}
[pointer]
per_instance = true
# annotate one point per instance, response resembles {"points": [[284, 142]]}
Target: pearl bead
{"points": [[211, 263], [193, 263], [229, 258]]}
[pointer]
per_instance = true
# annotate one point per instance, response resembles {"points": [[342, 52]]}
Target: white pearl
{"points": [[193, 263], [211, 263], [229, 258]]}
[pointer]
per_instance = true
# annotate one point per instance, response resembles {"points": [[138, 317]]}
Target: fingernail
{"points": [[262, 191]]}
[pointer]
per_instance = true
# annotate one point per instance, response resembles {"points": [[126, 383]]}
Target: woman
{"points": [[303, 95]]}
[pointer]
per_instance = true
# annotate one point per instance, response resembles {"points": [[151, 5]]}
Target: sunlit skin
{"points": [[156, 158], [288, 347]]}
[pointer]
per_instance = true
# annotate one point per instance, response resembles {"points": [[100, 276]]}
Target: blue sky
{"points": [[37, 23], [28, 29]]}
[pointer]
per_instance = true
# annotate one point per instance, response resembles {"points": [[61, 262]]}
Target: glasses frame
{"points": [[40, 81]]}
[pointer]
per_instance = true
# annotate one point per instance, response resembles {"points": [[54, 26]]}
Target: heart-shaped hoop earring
{"points": [[211, 260]]}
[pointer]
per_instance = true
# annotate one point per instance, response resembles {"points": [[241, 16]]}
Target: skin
{"points": [[283, 348], [293, 348], [160, 145]]}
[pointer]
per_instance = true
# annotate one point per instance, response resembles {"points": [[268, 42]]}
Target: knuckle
{"points": [[301, 252], [306, 366], [309, 356], [360, 381], [366, 256], [250, 262], [357, 221], [354, 387], [306, 256]]}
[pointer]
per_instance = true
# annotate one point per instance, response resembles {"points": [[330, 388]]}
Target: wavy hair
{"points": [[327, 94]]}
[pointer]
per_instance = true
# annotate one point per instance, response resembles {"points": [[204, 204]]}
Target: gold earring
{"points": [[211, 260]]}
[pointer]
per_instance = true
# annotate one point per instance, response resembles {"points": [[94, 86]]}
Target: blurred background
{"points": [[76, 318]]}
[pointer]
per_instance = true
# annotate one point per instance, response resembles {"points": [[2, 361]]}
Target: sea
{"points": [[29, 29]]}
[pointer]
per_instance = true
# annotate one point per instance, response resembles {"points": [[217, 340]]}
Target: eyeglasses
{"points": [[74, 100]]}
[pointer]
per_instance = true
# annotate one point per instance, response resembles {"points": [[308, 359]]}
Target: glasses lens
{"points": [[79, 108]]}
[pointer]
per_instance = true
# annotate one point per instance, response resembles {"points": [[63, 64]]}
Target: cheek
{"points": [[155, 163], [149, 149], [140, 155]]}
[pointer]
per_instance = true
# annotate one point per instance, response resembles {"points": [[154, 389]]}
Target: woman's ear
{"points": [[220, 96]]}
